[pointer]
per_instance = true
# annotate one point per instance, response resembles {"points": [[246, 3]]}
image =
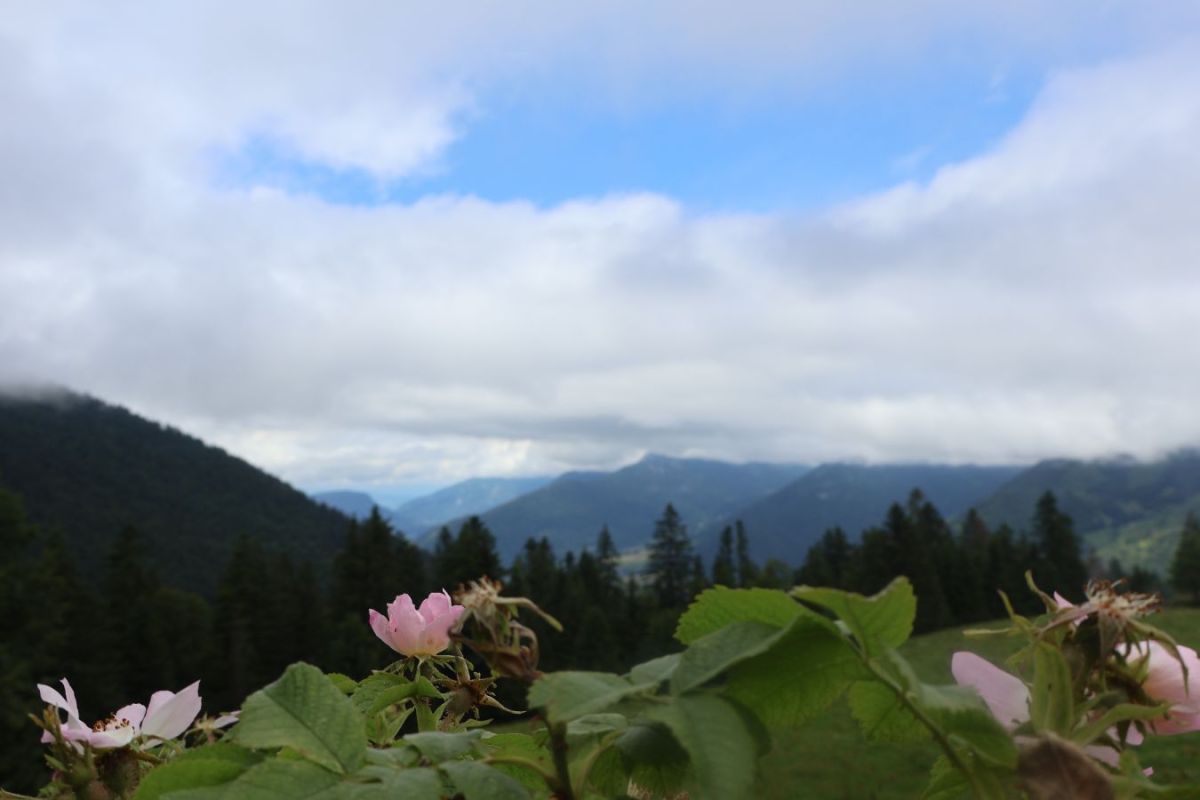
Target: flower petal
{"points": [[1006, 696], [405, 625], [171, 714], [435, 605]]}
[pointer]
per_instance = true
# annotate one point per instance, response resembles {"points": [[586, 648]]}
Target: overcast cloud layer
{"points": [[1037, 299]]}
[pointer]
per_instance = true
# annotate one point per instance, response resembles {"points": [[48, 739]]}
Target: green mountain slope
{"points": [[88, 469], [1128, 509], [571, 510], [855, 496]]}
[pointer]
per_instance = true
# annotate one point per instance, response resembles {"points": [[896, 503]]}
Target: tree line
{"points": [[129, 633]]}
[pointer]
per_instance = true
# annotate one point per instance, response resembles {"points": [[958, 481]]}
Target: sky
{"points": [[388, 246]]}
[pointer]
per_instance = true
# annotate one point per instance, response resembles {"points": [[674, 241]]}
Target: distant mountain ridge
{"points": [[87, 469], [572, 509], [352, 504], [855, 497], [466, 498], [1129, 509]]}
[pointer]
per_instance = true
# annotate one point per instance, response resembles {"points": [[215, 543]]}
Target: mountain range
{"points": [[86, 469]]}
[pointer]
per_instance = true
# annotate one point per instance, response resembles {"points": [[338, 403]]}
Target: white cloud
{"points": [[1036, 300]]}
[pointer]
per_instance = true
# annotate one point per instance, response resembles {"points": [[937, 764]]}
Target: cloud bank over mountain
{"points": [[1036, 298]]}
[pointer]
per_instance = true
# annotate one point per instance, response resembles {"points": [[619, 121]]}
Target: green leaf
{"points": [[422, 783], [609, 776], [882, 715], [1052, 705], [478, 781], [717, 607], [1125, 712], [438, 747], [652, 757], [799, 677], [520, 745], [212, 765], [383, 689], [304, 711], [880, 622], [276, 779], [654, 671], [596, 725], [714, 653], [344, 683], [722, 749], [569, 695], [946, 782]]}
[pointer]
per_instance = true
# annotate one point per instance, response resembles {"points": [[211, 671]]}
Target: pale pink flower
{"points": [[1166, 683], [1007, 697], [168, 715], [417, 632]]}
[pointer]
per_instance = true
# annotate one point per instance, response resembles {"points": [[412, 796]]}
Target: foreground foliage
{"points": [[1089, 682]]}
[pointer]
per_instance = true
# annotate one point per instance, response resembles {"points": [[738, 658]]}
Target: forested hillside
{"points": [[1126, 509], [89, 469], [855, 496], [571, 510]]}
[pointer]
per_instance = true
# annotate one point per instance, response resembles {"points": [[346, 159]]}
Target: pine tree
{"points": [[1185, 566], [671, 559], [724, 568], [1060, 567], [136, 640], [747, 570]]}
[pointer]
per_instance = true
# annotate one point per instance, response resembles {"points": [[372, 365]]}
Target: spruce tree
{"points": [[1060, 566], [671, 559], [1185, 566], [747, 570], [724, 568]]}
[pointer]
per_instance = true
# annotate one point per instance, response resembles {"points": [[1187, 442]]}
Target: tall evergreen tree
{"points": [[747, 570], [138, 649], [671, 559], [1060, 566], [1185, 565], [724, 568]]}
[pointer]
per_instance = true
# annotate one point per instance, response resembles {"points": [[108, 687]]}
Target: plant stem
{"points": [[976, 789], [558, 750]]}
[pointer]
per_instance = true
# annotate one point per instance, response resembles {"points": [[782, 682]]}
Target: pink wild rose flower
{"points": [[417, 632], [168, 715], [1007, 697]]}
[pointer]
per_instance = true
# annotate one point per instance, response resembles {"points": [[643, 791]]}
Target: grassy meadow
{"points": [[830, 758]]}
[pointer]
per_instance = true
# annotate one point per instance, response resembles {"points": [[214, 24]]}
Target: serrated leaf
{"points": [[275, 779], [568, 695], [713, 654], [880, 622], [523, 746], [946, 782], [478, 781], [383, 689], [798, 678], [717, 607], [211, 765], [304, 711], [722, 749], [423, 783], [609, 776], [438, 747], [654, 671], [882, 715]]}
